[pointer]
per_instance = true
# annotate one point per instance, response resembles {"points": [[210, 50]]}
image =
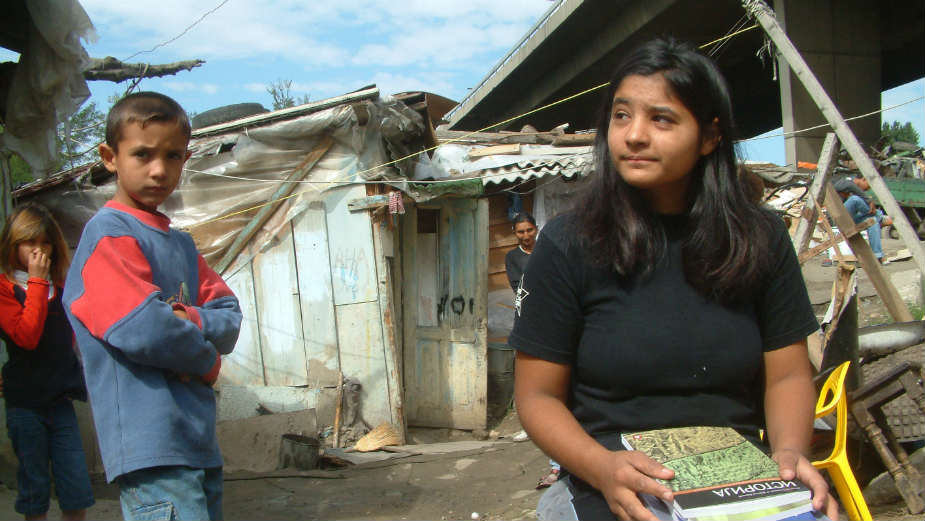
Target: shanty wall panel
{"points": [[316, 294], [362, 356], [353, 267], [277, 290], [244, 365]]}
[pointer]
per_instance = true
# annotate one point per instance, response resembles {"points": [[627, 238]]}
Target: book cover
{"points": [[718, 472]]}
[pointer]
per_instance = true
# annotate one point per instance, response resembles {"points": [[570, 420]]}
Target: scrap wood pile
{"points": [[886, 398]]}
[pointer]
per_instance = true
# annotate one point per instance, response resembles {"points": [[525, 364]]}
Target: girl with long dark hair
{"points": [[667, 298]]}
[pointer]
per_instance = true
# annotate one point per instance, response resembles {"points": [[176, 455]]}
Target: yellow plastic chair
{"points": [[834, 398]]}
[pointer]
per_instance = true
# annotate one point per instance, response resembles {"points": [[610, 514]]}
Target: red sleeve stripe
{"points": [[116, 279], [211, 286]]}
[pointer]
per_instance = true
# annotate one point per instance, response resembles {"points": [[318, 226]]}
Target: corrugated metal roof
{"points": [[528, 162], [568, 166]]}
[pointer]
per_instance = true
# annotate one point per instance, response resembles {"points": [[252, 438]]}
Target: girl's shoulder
{"points": [[562, 230]]}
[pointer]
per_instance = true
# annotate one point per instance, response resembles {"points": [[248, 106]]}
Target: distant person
{"points": [[152, 320], [42, 375], [515, 262], [861, 210], [666, 298]]}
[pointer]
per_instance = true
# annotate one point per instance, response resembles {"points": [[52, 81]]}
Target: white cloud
{"points": [[314, 33]]}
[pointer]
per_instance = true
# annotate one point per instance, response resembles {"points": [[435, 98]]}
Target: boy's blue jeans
{"points": [[48, 435], [168, 493]]}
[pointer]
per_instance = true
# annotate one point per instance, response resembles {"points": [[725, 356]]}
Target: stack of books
{"points": [[720, 476]]}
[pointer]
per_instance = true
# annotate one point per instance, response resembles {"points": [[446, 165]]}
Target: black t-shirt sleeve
{"points": [[785, 314], [548, 324]]}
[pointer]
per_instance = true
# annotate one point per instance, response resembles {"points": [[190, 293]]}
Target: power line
{"points": [[175, 38]]}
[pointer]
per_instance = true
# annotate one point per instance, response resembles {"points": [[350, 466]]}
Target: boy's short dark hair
{"points": [[144, 107]]}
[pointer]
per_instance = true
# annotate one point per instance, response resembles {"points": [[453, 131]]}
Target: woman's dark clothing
{"points": [[653, 353], [515, 263]]}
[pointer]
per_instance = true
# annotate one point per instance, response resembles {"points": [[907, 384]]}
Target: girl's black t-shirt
{"points": [[653, 353]]}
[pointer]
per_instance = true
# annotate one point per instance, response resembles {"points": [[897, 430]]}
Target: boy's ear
{"points": [[711, 138], [188, 154], [108, 155]]}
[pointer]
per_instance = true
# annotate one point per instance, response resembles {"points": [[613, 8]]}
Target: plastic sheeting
{"points": [[231, 176], [48, 84]]}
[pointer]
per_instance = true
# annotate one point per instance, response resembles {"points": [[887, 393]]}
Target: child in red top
{"points": [[43, 373]]}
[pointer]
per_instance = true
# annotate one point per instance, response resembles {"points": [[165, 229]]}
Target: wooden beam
{"points": [[805, 255], [827, 160], [365, 203], [511, 148], [763, 14], [298, 110], [865, 256], [287, 187]]}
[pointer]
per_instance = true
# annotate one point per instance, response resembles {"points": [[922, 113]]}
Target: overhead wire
{"points": [[177, 37]]}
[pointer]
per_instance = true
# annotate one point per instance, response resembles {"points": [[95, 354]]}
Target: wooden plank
{"points": [[425, 262], [359, 335], [510, 149], [316, 295], [827, 160], [244, 366], [389, 334], [263, 215], [365, 203], [819, 248], [574, 140], [888, 294], [765, 16], [277, 288], [300, 110], [350, 240]]}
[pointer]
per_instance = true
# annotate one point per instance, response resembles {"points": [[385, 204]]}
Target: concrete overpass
{"points": [[857, 48]]}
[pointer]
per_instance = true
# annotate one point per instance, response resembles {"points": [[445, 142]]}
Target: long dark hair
{"points": [[725, 247]]}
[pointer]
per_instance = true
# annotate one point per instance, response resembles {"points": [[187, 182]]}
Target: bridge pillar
{"points": [[840, 40]]}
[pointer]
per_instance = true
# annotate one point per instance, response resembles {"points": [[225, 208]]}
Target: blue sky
{"points": [[330, 48]]}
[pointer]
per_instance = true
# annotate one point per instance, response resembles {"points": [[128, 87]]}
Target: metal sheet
{"points": [[244, 366], [277, 290], [359, 335], [319, 328], [353, 267]]}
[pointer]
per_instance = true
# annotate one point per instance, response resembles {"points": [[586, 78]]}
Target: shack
{"points": [[366, 258]]}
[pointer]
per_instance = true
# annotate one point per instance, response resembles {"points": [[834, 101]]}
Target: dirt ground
{"points": [[495, 478]]}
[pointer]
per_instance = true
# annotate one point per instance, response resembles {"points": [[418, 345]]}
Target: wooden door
{"points": [[445, 260]]}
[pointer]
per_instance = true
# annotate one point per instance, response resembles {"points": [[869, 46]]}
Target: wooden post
{"points": [[763, 14], [393, 358], [865, 255], [816, 197], [266, 212]]}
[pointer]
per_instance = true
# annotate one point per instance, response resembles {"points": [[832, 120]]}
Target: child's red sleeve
{"points": [[24, 323]]}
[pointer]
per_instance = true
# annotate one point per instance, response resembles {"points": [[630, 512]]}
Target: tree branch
{"points": [[111, 69]]}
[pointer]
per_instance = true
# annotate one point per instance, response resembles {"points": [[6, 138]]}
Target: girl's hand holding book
{"points": [[626, 473], [794, 464]]}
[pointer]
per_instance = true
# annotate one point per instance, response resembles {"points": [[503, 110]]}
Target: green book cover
{"points": [[717, 469]]}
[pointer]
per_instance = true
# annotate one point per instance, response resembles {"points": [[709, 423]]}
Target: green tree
{"points": [[79, 137], [896, 131], [280, 91]]}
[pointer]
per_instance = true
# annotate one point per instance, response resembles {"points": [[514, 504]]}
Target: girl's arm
{"points": [[789, 403], [24, 323], [540, 391]]}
